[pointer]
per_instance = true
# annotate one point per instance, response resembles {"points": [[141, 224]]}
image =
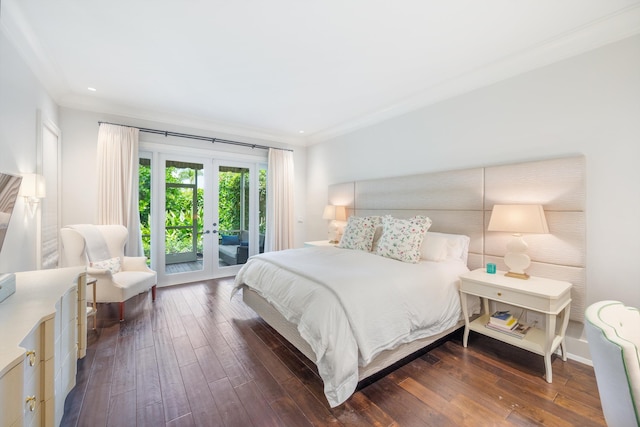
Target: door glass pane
{"points": [[144, 205], [233, 215], [183, 212], [262, 206]]}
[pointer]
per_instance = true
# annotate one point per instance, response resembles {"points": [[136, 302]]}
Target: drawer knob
{"points": [[31, 403], [31, 355], [499, 294]]}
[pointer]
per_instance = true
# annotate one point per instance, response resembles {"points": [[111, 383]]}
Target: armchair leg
{"points": [[122, 311], [153, 293]]}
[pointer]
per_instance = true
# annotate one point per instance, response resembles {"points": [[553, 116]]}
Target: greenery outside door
{"points": [[184, 211]]}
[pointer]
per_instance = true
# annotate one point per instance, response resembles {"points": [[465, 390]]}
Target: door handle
{"points": [[206, 232]]}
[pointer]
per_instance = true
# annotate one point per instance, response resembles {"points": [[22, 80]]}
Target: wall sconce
{"points": [[337, 215], [518, 219], [32, 189]]}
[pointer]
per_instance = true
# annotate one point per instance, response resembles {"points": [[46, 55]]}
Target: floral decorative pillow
{"points": [[358, 234], [402, 238], [112, 264]]}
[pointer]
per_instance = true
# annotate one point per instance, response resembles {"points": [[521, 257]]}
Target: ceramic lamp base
{"points": [[516, 258]]}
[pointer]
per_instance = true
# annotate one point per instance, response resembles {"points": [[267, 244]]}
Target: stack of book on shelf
{"points": [[505, 322]]}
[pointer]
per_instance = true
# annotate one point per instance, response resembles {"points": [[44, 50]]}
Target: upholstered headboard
{"points": [[461, 201]]}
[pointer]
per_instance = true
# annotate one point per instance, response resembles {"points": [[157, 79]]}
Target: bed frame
{"points": [[290, 332], [460, 202]]}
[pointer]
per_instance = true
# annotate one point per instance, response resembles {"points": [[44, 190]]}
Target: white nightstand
{"points": [[550, 297], [320, 243]]}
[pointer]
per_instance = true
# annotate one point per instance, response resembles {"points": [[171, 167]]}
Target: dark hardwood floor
{"points": [[195, 358]]}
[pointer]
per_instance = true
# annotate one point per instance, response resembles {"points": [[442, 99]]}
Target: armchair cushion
{"points": [[137, 263], [230, 240]]}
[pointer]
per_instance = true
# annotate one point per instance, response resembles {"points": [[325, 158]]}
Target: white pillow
{"points": [[434, 247], [112, 264], [402, 238], [358, 234], [457, 245]]}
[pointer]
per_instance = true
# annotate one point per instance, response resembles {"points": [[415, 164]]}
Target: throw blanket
{"points": [[351, 305], [97, 249]]}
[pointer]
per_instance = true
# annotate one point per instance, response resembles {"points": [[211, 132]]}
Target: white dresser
{"points": [[41, 338]]}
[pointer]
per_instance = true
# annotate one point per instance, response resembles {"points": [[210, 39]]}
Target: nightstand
{"points": [[549, 297], [320, 243]]}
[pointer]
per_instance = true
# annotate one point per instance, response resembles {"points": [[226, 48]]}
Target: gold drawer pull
{"points": [[31, 354], [31, 402], [499, 294]]}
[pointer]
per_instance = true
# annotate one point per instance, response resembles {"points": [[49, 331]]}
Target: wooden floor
{"points": [[195, 358]]}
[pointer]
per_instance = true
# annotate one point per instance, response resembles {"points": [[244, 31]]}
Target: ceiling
{"points": [[270, 69]]}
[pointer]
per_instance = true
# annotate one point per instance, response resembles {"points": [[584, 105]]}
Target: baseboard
{"points": [[576, 344]]}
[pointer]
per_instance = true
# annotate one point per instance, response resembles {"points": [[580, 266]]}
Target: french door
{"points": [[206, 221]]}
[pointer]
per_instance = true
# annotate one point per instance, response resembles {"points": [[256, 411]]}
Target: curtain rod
{"points": [[201, 138]]}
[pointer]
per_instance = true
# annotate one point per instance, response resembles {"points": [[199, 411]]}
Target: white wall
{"points": [[21, 96], [588, 104], [79, 180]]}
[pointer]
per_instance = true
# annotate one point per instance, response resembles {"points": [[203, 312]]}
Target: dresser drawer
{"points": [[32, 396], [34, 352], [11, 386], [69, 306]]}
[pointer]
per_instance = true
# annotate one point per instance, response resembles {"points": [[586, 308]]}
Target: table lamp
{"points": [[335, 214], [518, 219]]}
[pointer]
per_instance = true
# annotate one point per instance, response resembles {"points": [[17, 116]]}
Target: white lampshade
{"points": [[338, 213], [518, 219], [329, 212]]}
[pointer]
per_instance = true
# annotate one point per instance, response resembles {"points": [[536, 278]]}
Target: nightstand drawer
{"points": [[508, 296]]}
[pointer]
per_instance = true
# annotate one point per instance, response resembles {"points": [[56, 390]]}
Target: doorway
{"points": [[201, 217]]}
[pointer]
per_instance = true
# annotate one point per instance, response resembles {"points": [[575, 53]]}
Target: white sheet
{"points": [[351, 305]]}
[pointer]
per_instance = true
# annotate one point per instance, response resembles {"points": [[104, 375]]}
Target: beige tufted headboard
{"points": [[460, 202]]}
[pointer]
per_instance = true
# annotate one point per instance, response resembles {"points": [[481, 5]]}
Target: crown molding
{"points": [[230, 131], [606, 30]]}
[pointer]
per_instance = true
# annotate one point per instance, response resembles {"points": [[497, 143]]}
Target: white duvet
{"points": [[351, 305]]}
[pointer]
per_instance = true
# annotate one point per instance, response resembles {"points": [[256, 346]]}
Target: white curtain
{"points": [[118, 182], [279, 234]]}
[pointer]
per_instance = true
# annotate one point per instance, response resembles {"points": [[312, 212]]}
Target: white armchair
{"points": [[119, 277], [613, 331]]}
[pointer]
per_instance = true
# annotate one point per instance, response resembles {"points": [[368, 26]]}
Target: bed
{"points": [[353, 311]]}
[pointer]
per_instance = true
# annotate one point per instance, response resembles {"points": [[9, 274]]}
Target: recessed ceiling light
{"points": [[92, 89], [301, 131]]}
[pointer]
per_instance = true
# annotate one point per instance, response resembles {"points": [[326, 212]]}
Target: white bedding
{"points": [[351, 305]]}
